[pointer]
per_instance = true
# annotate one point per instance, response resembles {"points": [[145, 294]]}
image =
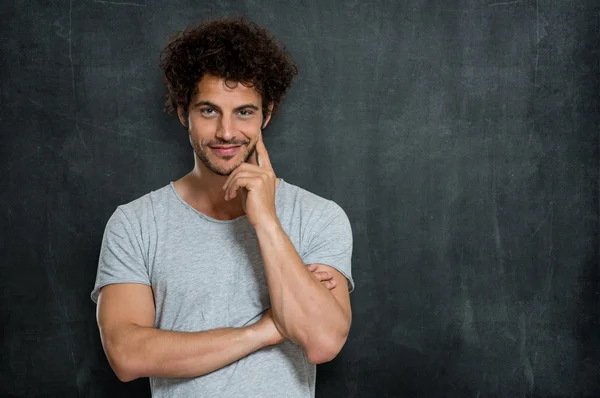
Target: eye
{"points": [[208, 111], [246, 112]]}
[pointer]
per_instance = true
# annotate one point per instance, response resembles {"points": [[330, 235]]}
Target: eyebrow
{"points": [[213, 105]]}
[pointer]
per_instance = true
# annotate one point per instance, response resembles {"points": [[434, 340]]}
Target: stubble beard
{"points": [[201, 153]]}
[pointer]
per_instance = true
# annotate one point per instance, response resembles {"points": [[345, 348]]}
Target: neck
{"points": [[202, 189]]}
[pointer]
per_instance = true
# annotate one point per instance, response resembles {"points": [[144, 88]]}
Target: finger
{"points": [[240, 182], [263, 155], [312, 267], [231, 177], [323, 276], [253, 159], [329, 284], [236, 174]]}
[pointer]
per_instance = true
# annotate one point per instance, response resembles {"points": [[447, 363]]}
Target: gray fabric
{"points": [[208, 274]]}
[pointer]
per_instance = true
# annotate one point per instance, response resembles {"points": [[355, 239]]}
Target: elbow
{"points": [[322, 354], [125, 375], [319, 357], [122, 361], [124, 368], [325, 350], [326, 347]]}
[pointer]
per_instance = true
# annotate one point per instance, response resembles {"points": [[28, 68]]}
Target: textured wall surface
{"points": [[461, 137]]}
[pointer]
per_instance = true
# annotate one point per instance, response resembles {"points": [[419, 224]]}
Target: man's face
{"points": [[224, 123]]}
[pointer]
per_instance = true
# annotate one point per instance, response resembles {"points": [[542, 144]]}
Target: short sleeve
{"points": [[121, 256], [330, 242]]}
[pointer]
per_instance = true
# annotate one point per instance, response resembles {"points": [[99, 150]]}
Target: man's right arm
{"points": [[135, 348]]}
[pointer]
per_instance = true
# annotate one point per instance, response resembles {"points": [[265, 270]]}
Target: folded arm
{"points": [[136, 349], [305, 311]]}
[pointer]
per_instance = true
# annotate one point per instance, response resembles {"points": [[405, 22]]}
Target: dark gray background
{"points": [[461, 137]]}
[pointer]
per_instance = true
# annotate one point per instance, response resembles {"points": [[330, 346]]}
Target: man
{"points": [[203, 285]]}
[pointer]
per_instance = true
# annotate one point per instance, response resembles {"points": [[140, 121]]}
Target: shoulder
{"points": [[141, 210], [310, 206], [294, 195]]}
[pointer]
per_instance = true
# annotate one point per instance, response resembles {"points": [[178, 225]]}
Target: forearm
{"points": [[136, 351], [304, 310]]}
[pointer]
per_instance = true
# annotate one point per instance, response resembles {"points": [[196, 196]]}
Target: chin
{"points": [[223, 166]]}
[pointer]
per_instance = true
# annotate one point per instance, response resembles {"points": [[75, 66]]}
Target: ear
{"points": [[268, 118], [182, 116]]}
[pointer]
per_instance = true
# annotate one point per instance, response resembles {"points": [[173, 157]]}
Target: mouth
{"points": [[225, 150]]}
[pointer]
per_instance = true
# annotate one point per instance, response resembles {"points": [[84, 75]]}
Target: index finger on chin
{"points": [[263, 155]]}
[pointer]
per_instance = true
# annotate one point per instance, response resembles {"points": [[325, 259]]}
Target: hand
{"points": [[257, 183], [325, 277], [267, 325]]}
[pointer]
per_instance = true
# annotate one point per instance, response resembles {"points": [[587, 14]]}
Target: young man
{"points": [[203, 285]]}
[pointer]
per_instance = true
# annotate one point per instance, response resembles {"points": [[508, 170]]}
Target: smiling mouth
{"points": [[226, 151]]}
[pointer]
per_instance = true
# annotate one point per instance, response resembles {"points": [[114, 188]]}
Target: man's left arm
{"points": [[305, 311]]}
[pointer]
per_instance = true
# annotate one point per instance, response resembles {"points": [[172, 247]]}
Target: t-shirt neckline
{"points": [[208, 218]]}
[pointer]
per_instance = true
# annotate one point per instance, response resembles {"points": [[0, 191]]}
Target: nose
{"points": [[225, 128]]}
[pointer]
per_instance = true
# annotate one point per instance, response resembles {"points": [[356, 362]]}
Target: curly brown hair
{"points": [[233, 49]]}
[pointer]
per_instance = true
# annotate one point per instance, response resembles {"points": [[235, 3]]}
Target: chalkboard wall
{"points": [[461, 137]]}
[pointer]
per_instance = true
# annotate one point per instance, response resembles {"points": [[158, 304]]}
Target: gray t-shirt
{"points": [[208, 274]]}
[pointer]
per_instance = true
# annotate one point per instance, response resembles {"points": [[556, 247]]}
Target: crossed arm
{"points": [[304, 310], [135, 348], [308, 307]]}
